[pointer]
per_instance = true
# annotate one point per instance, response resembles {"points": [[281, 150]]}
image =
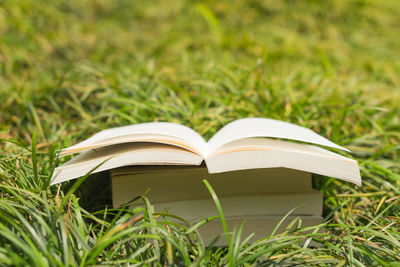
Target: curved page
{"points": [[156, 132], [261, 127], [124, 155], [253, 153]]}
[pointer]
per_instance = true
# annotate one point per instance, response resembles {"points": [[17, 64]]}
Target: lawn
{"points": [[71, 68]]}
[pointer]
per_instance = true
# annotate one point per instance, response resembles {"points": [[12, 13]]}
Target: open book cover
{"points": [[250, 143]]}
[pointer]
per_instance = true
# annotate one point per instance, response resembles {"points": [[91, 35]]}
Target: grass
{"points": [[71, 68]]}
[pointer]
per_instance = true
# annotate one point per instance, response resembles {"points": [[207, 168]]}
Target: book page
{"points": [[156, 132], [124, 155], [261, 127], [254, 153]]}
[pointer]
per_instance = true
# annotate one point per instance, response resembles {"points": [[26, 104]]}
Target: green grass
{"points": [[71, 68]]}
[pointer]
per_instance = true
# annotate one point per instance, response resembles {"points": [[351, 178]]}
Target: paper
{"points": [[123, 134], [261, 127]]}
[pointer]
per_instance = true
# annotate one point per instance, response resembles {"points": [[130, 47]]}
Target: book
{"points": [[261, 197], [261, 169], [173, 183], [250, 143], [308, 204]]}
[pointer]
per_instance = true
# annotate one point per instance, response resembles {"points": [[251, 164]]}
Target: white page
{"points": [[136, 132], [254, 153], [261, 127], [123, 155]]}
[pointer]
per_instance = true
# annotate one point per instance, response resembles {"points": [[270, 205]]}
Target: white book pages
{"points": [[253, 153], [231, 138], [124, 155], [261, 127], [158, 132]]}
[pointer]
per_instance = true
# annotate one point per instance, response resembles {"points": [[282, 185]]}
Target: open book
{"points": [[250, 143]]}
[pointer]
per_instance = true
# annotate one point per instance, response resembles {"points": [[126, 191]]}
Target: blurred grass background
{"points": [[71, 68]]}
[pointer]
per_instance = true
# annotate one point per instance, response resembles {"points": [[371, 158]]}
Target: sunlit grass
{"points": [[71, 68]]}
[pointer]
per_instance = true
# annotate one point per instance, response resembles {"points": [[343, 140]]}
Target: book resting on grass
{"points": [[259, 168]]}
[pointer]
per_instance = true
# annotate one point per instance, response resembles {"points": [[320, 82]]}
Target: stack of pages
{"points": [[258, 175], [259, 196]]}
